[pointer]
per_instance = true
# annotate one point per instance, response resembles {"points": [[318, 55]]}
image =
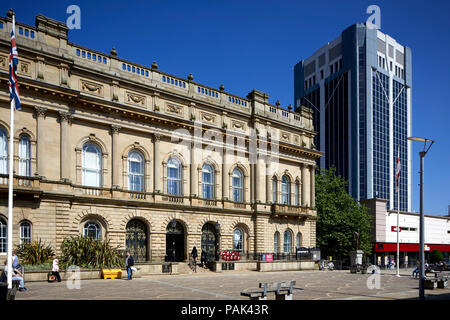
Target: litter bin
{"points": [[3, 291]]}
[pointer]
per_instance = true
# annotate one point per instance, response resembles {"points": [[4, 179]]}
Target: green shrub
{"points": [[34, 253], [90, 253], [436, 256]]}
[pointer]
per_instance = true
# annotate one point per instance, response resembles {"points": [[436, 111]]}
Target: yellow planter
{"points": [[112, 273]]}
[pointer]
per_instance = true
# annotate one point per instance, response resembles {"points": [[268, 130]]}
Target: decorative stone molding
{"points": [[65, 116], [3, 62], [174, 109], [285, 137], [24, 68], [40, 111], [64, 74], [115, 91], [40, 64], [237, 125], [207, 117], [91, 88], [115, 128], [133, 98]]}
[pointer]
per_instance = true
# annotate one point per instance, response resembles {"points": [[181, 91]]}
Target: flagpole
{"points": [[10, 195], [10, 192], [398, 218]]}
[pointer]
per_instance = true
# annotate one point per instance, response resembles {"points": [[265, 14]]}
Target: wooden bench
{"points": [[282, 290]]}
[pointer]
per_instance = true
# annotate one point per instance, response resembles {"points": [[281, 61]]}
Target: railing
{"points": [[92, 191], [289, 209], [136, 195], [239, 205], [20, 181], [174, 199], [210, 203], [305, 255]]}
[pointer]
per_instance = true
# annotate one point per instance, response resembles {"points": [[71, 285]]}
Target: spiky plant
{"points": [[90, 253], [34, 253]]}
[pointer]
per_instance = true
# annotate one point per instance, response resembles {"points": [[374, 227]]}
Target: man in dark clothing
{"points": [[204, 257], [129, 262]]}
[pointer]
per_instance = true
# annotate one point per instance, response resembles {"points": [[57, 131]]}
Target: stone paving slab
{"points": [[311, 285]]}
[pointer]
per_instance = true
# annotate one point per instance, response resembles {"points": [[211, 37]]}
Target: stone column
{"points": [[261, 181], [225, 175], [115, 156], [305, 186], [40, 150], [65, 163], [313, 186], [157, 163], [193, 171]]}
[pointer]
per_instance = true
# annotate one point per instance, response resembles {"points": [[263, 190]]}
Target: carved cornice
{"points": [[40, 111]]}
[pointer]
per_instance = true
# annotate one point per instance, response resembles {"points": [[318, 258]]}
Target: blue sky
{"points": [[246, 44]]}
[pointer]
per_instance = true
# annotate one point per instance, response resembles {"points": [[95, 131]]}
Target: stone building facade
{"points": [[152, 162]]}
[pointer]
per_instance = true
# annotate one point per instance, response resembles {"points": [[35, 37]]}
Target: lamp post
{"points": [[422, 223]]}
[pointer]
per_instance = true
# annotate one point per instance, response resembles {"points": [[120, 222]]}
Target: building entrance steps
{"points": [[184, 268]]}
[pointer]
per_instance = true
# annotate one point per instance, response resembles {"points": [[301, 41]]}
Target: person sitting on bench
{"points": [[17, 275]]}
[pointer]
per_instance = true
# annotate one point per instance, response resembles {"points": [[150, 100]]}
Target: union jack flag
{"points": [[13, 62], [397, 174]]}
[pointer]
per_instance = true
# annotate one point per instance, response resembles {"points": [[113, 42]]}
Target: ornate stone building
{"points": [[152, 162]]}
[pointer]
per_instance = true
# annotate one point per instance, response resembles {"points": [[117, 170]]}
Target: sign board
{"points": [[394, 229], [269, 257]]}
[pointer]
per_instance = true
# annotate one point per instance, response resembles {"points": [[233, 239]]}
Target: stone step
{"points": [[183, 268]]}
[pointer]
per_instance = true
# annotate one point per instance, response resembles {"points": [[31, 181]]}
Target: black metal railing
{"points": [[271, 256]]}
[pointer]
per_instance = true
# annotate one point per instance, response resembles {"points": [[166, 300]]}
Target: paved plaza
{"points": [[310, 285]]}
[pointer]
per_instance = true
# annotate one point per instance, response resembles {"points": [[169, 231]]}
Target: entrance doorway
{"points": [[174, 242], [210, 242], [136, 240]]}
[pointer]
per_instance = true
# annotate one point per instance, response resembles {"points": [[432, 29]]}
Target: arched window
{"points": [[297, 193], [25, 232], [276, 242], [238, 185], [238, 240], [3, 236], [174, 176], [91, 165], [299, 240], [208, 181], [136, 171], [24, 156], [274, 189], [92, 230], [3, 151], [287, 244], [285, 190]]}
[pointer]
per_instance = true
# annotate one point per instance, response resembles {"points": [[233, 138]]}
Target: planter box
{"points": [[265, 266], [112, 273]]}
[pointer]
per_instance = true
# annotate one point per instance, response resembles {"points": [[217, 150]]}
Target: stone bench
{"points": [[440, 280], [282, 291]]}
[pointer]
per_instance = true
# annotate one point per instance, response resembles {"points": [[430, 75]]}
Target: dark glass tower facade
{"points": [[359, 86]]}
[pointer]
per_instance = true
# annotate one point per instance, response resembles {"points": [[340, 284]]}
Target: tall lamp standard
{"points": [[422, 224]]}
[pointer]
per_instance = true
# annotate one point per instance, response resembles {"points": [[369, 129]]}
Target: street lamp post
{"points": [[422, 220]]}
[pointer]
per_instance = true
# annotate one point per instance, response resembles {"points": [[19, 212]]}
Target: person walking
{"points": [[55, 269], [129, 262], [203, 258], [194, 255]]}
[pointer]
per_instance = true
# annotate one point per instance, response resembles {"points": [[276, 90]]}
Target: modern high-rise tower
{"points": [[359, 86]]}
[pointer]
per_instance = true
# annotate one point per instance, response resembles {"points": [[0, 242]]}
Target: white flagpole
{"points": [[398, 219], [10, 193]]}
